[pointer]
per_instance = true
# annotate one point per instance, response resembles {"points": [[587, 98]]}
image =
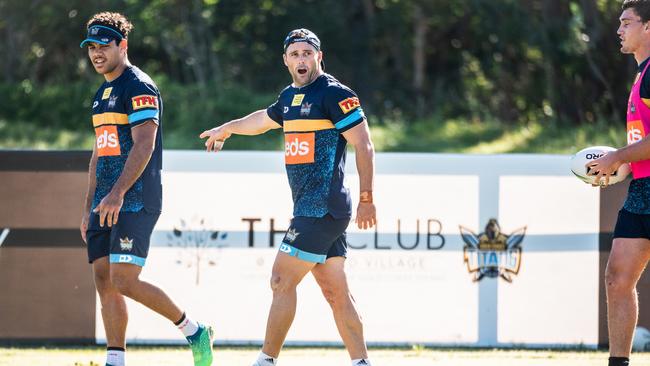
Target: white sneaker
{"points": [[266, 362]]}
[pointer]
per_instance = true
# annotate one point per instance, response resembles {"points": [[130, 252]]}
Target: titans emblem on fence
{"points": [[492, 253]]}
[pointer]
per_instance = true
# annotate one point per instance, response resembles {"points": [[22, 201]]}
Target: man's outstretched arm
{"points": [[255, 123]]}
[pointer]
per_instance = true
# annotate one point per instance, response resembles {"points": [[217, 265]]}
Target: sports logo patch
{"points": [[126, 243], [635, 131], [291, 235], [285, 248], [299, 148], [108, 141], [107, 93], [123, 258], [297, 99], [305, 109], [349, 104], [492, 253], [144, 101], [111, 101]]}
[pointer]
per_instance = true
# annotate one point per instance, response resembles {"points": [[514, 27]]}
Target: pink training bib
{"points": [[638, 124]]}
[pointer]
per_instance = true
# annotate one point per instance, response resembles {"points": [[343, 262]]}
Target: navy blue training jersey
{"points": [[118, 107], [313, 118]]}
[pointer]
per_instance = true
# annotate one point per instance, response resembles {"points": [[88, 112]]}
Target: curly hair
{"points": [[112, 20], [640, 7]]}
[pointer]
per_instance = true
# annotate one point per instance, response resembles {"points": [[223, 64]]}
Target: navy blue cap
{"points": [[302, 35], [102, 34]]}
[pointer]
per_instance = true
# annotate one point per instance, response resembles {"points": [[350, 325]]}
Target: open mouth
{"points": [[302, 70], [99, 62]]}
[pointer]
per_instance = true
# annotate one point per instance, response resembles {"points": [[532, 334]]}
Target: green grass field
{"points": [[171, 356]]}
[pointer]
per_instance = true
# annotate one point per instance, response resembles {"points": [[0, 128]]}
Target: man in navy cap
{"points": [[319, 116], [124, 195]]}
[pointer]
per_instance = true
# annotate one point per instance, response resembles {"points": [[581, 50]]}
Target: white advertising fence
{"points": [[496, 250]]}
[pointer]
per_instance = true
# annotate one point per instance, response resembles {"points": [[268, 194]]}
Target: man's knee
{"points": [[617, 280], [282, 284], [337, 296], [122, 282], [103, 281]]}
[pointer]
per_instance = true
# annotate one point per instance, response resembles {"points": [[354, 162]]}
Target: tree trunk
{"points": [[420, 29]]}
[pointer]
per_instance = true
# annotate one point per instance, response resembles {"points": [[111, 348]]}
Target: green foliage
{"points": [[189, 110], [493, 137], [58, 116], [520, 62]]}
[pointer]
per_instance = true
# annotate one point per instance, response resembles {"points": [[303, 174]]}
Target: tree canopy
{"points": [[510, 60]]}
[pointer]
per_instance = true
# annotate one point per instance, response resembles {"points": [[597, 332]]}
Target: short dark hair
{"points": [[640, 7], [116, 21]]}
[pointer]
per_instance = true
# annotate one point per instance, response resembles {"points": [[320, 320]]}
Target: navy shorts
{"points": [[631, 225], [314, 239], [125, 242]]}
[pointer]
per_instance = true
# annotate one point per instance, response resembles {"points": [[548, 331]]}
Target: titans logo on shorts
{"points": [[124, 242], [118, 107], [314, 239], [313, 118]]}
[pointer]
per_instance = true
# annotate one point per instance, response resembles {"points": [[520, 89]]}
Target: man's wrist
{"points": [[365, 197], [118, 192]]}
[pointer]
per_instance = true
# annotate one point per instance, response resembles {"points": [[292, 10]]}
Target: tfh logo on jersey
{"points": [[299, 148], [349, 104], [635, 131], [144, 101], [108, 141]]}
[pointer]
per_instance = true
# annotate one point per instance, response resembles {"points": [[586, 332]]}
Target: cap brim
{"points": [[92, 40]]}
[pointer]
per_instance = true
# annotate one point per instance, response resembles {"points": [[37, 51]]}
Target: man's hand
{"points": [[216, 138], [109, 209], [84, 226], [603, 168], [366, 215]]}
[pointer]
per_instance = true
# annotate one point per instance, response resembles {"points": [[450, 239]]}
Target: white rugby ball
{"points": [[586, 155]]}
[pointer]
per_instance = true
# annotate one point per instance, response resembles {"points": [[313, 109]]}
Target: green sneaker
{"points": [[201, 345]]}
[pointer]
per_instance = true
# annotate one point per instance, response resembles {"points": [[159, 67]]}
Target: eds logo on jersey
{"points": [[349, 104], [108, 141], [492, 253], [144, 101], [635, 131], [299, 148]]}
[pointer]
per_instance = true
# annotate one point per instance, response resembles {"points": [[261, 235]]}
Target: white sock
{"points": [[188, 326], [115, 357], [265, 360], [361, 362]]}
